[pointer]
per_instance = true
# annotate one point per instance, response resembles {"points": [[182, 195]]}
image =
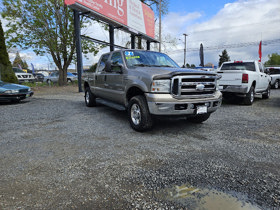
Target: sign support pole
{"points": [[77, 29], [132, 41], [111, 35], [148, 44]]}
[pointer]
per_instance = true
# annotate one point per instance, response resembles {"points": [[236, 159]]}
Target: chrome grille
{"points": [[200, 86]]}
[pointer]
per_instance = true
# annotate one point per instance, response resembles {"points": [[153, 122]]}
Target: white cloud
{"points": [[238, 22]]}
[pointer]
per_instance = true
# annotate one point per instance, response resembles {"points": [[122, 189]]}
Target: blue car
{"points": [[14, 92]]}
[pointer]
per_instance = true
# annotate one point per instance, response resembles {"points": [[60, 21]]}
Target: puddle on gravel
{"points": [[204, 199]]}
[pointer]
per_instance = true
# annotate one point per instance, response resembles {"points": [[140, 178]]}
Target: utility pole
{"points": [[159, 25], [185, 49]]}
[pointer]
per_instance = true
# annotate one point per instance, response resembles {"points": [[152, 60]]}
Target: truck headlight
{"points": [[161, 86]]}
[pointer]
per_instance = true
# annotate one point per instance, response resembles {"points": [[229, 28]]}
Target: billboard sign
{"points": [[133, 14]]}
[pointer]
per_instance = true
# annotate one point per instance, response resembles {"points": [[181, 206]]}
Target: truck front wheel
{"points": [[199, 118], [139, 116], [276, 84], [249, 99], [90, 98]]}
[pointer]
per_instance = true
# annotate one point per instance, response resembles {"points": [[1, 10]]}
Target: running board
{"points": [[110, 104]]}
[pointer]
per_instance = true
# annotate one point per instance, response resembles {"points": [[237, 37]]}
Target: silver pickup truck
{"points": [[274, 72], [147, 83]]}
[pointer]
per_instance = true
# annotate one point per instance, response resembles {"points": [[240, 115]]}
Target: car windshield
{"points": [[70, 74], [17, 70], [250, 66], [148, 58], [274, 71]]}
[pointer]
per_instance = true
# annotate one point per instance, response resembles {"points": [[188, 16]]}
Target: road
{"points": [[56, 153]]}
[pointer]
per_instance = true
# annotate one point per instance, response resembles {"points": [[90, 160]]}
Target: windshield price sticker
{"points": [[133, 57], [129, 53], [201, 110]]}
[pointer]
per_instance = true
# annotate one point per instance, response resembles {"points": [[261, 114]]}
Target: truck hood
{"points": [[167, 73]]}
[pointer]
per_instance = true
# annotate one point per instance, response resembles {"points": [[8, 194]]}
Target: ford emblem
{"points": [[200, 87]]}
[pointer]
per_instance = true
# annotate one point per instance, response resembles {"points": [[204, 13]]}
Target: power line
{"points": [[227, 46]]}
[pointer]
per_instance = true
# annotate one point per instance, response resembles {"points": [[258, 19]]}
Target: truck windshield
{"points": [[148, 58], [250, 66]]}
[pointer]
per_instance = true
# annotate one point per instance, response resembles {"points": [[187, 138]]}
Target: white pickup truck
{"points": [[244, 79]]}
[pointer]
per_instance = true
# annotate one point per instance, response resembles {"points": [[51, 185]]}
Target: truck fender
{"points": [[141, 89]]}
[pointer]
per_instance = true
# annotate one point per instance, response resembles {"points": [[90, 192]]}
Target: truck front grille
{"points": [[200, 86]]}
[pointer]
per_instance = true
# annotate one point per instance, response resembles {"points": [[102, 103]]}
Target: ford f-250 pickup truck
{"points": [[244, 79], [147, 83]]}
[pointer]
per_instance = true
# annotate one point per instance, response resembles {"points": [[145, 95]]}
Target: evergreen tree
{"points": [[224, 57], [6, 71], [19, 62]]}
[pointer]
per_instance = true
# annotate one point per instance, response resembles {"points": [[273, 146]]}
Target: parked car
{"points": [[38, 77], [14, 92], [53, 77], [275, 76], [23, 76]]}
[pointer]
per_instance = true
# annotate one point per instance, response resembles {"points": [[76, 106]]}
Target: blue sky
{"points": [[237, 26], [207, 8]]}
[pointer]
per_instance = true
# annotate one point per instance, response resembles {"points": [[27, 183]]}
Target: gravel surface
{"points": [[56, 153]]}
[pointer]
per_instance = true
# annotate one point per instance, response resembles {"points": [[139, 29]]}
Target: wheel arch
{"points": [[86, 85], [133, 91]]}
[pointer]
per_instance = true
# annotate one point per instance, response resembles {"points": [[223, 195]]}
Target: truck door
{"points": [[99, 76], [263, 78], [114, 79]]}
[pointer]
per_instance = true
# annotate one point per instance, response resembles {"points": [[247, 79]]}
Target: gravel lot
{"points": [[56, 153]]}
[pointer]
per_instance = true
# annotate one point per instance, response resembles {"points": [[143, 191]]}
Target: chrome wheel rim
{"points": [[252, 97], [277, 85], [135, 113]]}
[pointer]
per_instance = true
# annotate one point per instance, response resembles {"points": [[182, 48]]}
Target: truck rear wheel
{"points": [[90, 98], [250, 96], [199, 118], [139, 116]]}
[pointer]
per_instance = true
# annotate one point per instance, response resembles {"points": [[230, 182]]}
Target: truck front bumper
{"points": [[165, 104]]}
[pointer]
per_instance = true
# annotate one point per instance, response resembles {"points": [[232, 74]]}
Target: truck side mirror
{"points": [[108, 66], [267, 71]]}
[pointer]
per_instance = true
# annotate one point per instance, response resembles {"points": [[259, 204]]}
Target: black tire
{"points": [[48, 81], [69, 80], [199, 118], [276, 84], [90, 98], [266, 95], [139, 116], [250, 96]]}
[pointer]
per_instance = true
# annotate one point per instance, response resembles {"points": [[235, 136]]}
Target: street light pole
{"points": [[159, 25], [185, 49]]}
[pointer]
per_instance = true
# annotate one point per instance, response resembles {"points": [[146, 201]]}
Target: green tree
{"points": [[48, 28], [224, 57], [192, 66], [273, 59], [6, 71]]}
